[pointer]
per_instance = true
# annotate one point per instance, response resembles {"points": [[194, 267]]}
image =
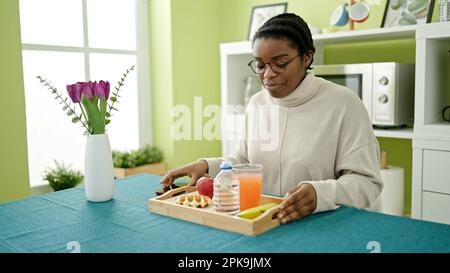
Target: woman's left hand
{"points": [[300, 202]]}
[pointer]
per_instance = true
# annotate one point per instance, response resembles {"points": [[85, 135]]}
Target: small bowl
{"points": [[359, 12], [339, 17]]}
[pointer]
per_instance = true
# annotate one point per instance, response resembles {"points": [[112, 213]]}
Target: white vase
{"points": [[98, 167]]}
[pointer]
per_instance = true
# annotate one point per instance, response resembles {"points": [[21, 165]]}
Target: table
{"points": [[64, 221]]}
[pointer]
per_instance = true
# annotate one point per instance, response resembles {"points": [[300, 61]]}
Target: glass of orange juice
{"points": [[250, 184]]}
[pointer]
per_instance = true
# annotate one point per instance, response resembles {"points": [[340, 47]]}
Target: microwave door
{"points": [[357, 77]]}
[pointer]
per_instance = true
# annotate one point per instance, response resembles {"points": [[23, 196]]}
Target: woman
{"points": [[327, 154]]}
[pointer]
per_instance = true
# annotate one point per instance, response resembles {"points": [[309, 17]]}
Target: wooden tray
{"points": [[165, 205]]}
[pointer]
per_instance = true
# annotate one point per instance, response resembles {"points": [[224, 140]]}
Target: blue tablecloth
{"points": [[47, 223]]}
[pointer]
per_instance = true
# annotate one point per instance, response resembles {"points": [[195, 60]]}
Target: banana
{"points": [[256, 211]]}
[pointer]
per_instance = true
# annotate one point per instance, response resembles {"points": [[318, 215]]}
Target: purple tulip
{"points": [[74, 93], [88, 89], [101, 89]]}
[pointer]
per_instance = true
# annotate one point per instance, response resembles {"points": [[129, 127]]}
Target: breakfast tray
{"points": [[166, 205]]}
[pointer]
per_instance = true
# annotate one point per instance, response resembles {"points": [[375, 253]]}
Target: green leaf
{"points": [[70, 112], [56, 97], [95, 117], [75, 120], [65, 108], [107, 121], [113, 99], [108, 114]]}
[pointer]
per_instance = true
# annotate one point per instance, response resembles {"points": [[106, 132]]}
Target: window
{"points": [[80, 40]]}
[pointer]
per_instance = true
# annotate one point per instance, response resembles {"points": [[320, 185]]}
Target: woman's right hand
{"points": [[194, 170]]}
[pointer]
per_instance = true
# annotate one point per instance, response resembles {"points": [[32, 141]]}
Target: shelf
{"points": [[236, 48], [245, 47], [403, 133], [433, 31], [435, 131], [423, 31]]}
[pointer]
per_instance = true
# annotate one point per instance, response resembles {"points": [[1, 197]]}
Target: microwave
{"points": [[386, 89]]}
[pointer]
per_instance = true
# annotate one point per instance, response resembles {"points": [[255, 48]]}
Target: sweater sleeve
{"points": [[358, 184]]}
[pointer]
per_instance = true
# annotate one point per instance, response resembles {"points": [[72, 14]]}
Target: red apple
{"points": [[205, 186]]}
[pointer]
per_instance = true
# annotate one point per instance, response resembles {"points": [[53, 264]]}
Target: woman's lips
{"points": [[271, 85]]}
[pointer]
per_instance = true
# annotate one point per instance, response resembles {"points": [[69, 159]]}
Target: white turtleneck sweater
{"points": [[322, 135]]}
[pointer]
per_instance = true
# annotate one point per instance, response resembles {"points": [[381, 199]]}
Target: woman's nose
{"points": [[269, 72]]}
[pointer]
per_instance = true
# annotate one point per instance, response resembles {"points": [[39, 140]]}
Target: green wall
{"points": [[13, 145], [316, 13], [196, 67], [162, 76], [185, 38]]}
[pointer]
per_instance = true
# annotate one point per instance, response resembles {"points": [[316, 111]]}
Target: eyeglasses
{"points": [[259, 67]]}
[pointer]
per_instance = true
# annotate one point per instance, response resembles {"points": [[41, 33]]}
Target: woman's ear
{"points": [[308, 58]]}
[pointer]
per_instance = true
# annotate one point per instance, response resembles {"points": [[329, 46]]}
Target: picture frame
{"points": [[261, 14], [407, 12]]}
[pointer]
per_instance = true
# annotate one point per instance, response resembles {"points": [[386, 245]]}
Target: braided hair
{"points": [[289, 26]]}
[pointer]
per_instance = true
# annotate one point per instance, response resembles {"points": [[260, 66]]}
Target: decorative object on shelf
{"points": [[62, 177], [252, 86], [444, 10], [92, 99], [407, 12], [146, 159], [446, 113], [314, 30], [261, 14], [350, 12]]}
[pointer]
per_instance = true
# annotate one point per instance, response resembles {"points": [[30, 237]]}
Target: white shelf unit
{"points": [[403, 133], [431, 142]]}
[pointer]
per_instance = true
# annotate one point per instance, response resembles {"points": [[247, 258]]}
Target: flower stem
{"points": [[82, 111]]}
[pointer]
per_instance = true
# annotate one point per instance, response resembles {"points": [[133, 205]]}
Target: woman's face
{"points": [[279, 52]]}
